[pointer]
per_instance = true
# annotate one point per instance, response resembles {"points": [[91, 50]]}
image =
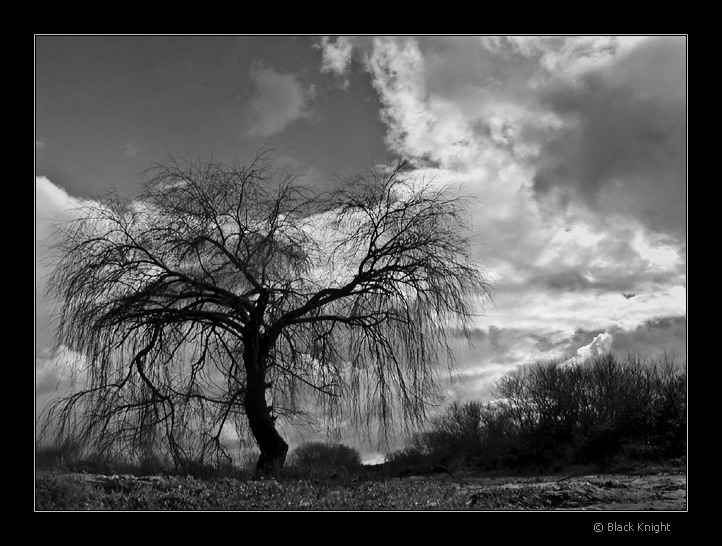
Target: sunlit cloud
{"points": [[574, 150], [336, 57]]}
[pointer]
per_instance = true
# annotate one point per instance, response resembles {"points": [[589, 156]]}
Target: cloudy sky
{"points": [[574, 148]]}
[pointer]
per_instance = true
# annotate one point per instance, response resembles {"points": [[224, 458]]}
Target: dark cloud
{"points": [[572, 280], [495, 351], [651, 339], [623, 279], [654, 338], [623, 145]]}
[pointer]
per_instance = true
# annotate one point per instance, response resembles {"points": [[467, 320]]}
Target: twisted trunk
{"points": [[260, 419]]}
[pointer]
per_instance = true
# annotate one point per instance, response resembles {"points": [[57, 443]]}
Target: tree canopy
{"points": [[226, 297]]}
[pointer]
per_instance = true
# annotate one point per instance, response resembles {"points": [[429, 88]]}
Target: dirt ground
{"points": [[660, 491]]}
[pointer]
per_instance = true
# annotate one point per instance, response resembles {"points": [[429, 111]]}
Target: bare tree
{"points": [[231, 296]]}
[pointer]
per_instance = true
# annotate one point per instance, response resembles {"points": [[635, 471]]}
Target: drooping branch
{"points": [[337, 303]]}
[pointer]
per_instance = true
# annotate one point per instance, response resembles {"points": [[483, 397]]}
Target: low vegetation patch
{"points": [[551, 415], [603, 433], [658, 489], [323, 460]]}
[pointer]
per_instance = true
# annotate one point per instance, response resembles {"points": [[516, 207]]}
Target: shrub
{"points": [[417, 453], [322, 457], [551, 413]]}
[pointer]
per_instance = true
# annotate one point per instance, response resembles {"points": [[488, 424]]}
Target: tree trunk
{"points": [[273, 447]]}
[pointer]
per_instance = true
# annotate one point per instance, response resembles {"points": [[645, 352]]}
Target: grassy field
{"points": [[658, 488]]}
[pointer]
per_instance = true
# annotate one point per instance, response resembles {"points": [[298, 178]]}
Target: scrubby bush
{"points": [[322, 458], [417, 452], [555, 413], [70, 456]]}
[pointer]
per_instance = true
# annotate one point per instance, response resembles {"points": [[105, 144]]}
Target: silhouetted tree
{"points": [[232, 296]]}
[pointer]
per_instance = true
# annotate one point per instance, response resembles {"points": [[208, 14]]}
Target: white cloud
{"points": [[336, 57], [280, 99], [52, 369], [596, 120], [397, 68], [492, 114], [57, 370], [51, 202], [600, 344], [567, 56], [49, 195]]}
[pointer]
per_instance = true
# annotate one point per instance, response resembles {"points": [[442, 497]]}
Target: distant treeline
{"points": [[552, 414]]}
